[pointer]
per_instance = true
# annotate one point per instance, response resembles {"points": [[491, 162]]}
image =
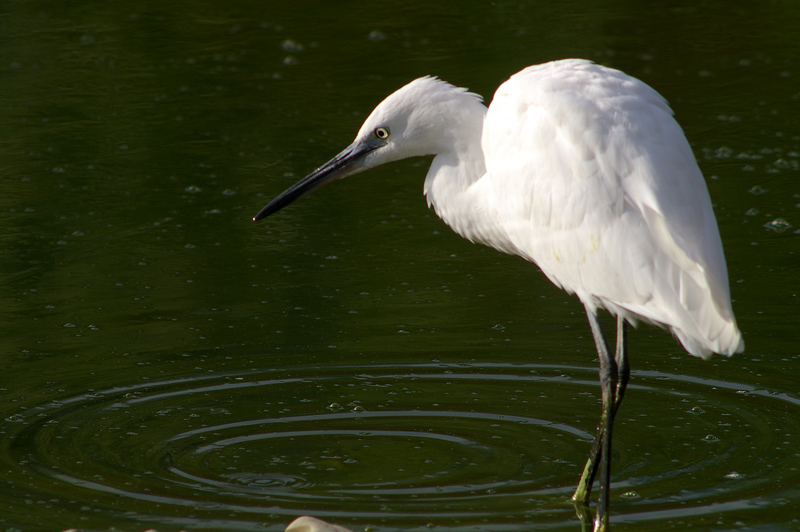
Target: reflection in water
{"points": [[311, 524], [384, 455]]}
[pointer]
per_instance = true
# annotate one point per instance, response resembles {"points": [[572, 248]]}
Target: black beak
{"points": [[346, 163]]}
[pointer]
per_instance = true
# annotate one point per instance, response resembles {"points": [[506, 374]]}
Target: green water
{"points": [[168, 364]]}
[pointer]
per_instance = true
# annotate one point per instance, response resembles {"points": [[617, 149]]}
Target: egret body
{"points": [[582, 170]]}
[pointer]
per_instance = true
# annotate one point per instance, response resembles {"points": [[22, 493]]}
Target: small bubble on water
{"points": [[779, 225], [757, 190], [734, 475], [376, 36], [723, 152], [630, 495], [696, 410], [291, 46], [710, 438]]}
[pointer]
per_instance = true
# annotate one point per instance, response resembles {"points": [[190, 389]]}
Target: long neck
{"points": [[457, 193]]}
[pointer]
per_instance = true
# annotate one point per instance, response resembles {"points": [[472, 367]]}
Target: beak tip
{"points": [[347, 162], [263, 213]]}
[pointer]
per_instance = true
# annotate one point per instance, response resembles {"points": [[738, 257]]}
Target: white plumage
{"points": [[582, 170]]}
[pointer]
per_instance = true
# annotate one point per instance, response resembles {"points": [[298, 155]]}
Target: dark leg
{"points": [[614, 375], [608, 392], [584, 489], [623, 368]]}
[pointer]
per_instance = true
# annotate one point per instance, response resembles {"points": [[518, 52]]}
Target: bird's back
{"points": [[590, 177]]}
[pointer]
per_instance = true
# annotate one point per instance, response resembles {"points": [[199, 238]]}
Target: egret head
{"points": [[420, 118]]}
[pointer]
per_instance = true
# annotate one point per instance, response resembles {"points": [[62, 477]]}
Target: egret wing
{"points": [[596, 183]]}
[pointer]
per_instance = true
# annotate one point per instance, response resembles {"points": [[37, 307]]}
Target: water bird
{"points": [[582, 170]]}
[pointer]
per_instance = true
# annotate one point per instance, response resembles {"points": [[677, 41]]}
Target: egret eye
{"points": [[382, 133]]}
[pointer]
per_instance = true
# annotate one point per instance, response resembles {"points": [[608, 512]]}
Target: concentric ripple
{"points": [[500, 447]]}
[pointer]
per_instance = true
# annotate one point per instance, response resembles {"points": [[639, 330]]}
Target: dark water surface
{"points": [[168, 364]]}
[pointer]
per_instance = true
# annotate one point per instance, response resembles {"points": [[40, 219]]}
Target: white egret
{"points": [[582, 170]]}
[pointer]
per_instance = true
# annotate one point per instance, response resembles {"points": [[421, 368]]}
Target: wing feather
{"points": [[608, 199]]}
